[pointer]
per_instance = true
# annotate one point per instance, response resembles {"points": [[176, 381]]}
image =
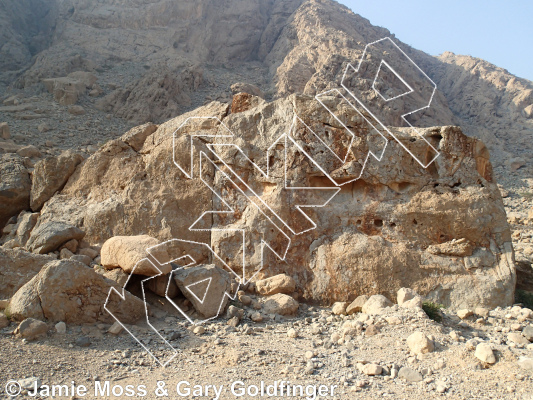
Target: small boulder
{"points": [[415, 302], [405, 294], [61, 328], [130, 252], [484, 353], [372, 369], [163, 285], [4, 321], [31, 329], [81, 258], [281, 304], [49, 236], [409, 374], [463, 314], [419, 343], [205, 286], [339, 308], [276, 284], [528, 332], [357, 305], [376, 304], [68, 291], [242, 87], [517, 338]]}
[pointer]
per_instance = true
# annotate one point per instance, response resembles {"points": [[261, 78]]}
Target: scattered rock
{"points": [[29, 151], [61, 328], [463, 314], [49, 236], [356, 305], [292, 333], [405, 294], [199, 330], [372, 369], [516, 337], [485, 353], [376, 304], [281, 304], [115, 329], [276, 284], [31, 328], [419, 343], [528, 332], [409, 374], [339, 308]]}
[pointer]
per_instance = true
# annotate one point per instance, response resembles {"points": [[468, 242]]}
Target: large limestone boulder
{"points": [[69, 291], [373, 236], [15, 186], [50, 175], [130, 254], [17, 267], [49, 236]]}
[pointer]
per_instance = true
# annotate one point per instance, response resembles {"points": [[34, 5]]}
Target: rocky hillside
{"points": [[154, 59]]}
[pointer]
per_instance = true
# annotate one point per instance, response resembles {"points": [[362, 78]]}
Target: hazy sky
{"points": [[499, 31]]}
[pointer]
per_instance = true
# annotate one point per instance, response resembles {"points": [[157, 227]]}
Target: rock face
{"points": [[68, 291], [398, 209], [15, 186], [50, 175]]}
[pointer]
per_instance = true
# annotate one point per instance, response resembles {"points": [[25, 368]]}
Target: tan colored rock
{"points": [[17, 268], [4, 131], [50, 175], [419, 343], [242, 87], [115, 329], [204, 286], [49, 236], [339, 308], [15, 187], [92, 253], [463, 314], [76, 110], [485, 353], [276, 284], [119, 191], [25, 224], [281, 304], [376, 304], [372, 369], [129, 253], [415, 302], [31, 329], [4, 321], [517, 338], [356, 305], [29, 151], [405, 294], [68, 291]]}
